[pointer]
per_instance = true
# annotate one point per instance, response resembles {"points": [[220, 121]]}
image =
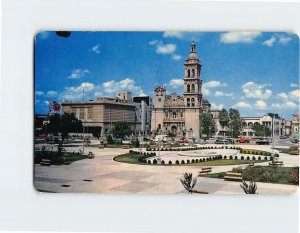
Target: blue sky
{"points": [[255, 72]]}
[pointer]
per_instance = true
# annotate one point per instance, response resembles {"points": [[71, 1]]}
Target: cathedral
{"points": [[180, 115]]}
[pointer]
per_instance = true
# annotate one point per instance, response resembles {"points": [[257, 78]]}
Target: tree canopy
{"points": [[121, 129], [208, 126], [261, 130], [235, 122], [223, 117]]}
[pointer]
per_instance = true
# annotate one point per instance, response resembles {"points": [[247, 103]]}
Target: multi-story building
{"points": [[181, 114], [275, 124], [105, 111]]}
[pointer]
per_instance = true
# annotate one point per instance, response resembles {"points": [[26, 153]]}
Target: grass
{"points": [[56, 159], [266, 174], [134, 159]]}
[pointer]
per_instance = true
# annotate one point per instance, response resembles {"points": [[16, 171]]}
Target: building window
{"points": [[188, 102], [188, 88], [193, 88], [193, 102], [81, 114], [90, 113], [159, 126], [189, 73], [193, 73]]}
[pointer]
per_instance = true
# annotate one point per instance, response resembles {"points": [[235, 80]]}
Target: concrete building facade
{"points": [[180, 114]]}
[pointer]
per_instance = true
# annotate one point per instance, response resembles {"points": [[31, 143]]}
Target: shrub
{"points": [[149, 161], [230, 157], [182, 162], [259, 158], [170, 162], [242, 158], [248, 158], [225, 157], [200, 160], [197, 160], [154, 161], [237, 169], [162, 162], [193, 160], [177, 161], [253, 158], [235, 157], [188, 161], [294, 176], [266, 158]]}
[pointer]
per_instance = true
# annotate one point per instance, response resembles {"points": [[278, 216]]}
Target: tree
{"points": [[121, 129], [208, 126], [188, 182], [261, 130], [235, 122], [223, 117], [249, 189], [63, 125]]}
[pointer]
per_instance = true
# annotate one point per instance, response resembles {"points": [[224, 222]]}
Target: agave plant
{"points": [[249, 189], [188, 182]]}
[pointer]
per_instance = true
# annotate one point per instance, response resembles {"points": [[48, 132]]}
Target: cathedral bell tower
{"points": [[192, 80]]}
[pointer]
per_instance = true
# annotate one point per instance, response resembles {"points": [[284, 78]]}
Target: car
{"points": [[283, 137], [218, 141], [244, 140], [262, 142]]}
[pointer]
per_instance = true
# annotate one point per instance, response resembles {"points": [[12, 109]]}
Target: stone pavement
{"points": [[103, 175]]}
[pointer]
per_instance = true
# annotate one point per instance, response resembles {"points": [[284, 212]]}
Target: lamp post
{"points": [[158, 155]]}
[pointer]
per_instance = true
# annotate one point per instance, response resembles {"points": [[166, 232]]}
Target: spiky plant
{"points": [[188, 182], [249, 189]]}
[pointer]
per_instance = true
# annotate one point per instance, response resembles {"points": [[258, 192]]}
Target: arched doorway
{"points": [[174, 130]]}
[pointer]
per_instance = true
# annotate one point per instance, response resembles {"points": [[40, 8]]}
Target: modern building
{"points": [[103, 112], [180, 114], [276, 125]]}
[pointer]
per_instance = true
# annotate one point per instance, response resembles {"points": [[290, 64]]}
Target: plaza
{"points": [[104, 175]]}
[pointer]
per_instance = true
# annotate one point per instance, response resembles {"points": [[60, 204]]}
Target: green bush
{"points": [[242, 158], [170, 162], [162, 162], [266, 158], [149, 161], [253, 158], [248, 158], [259, 158], [154, 161], [235, 157], [182, 162], [200, 160], [225, 157], [197, 160], [193, 160], [230, 157], [188, 161], [177, 162]]}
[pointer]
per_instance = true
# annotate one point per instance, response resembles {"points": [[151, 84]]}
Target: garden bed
{"points": [[55, 158]]}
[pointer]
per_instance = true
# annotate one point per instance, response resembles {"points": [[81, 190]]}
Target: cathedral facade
{"points": [[180, 115]]}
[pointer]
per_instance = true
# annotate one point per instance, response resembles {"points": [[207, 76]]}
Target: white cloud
{"points": [[153, 42], [51, 93], [37, 101], [39, 93], [282, 95], [270, 41], [217, 107], [239, 37], [256, 91], [96, 49], [78, 73], [111, 87], [284, 39], [76, 93], [294, 85], [287, 104], [294, 95], [213, 84], [242, 104], [176, 57], [165, 48], [260, 104], [174, 83], [176, 34], [220, 93], [46, 102]]}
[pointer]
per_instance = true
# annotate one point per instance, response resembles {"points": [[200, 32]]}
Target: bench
{"points": [[152, 147], [205, 170], [90, 155], [101, 146], [251, 165], [45, 162], [234, 176], [276, 163], [199, 192], [125, 147]]}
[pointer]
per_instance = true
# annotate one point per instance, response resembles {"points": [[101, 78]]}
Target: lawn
{"points": [[56, 159], [267, 174]]}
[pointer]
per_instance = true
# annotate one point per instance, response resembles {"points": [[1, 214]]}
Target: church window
{"points": [[188, 102], [193, 102], [193, 88], [193, 73], [189, 73], [188, 88], [174, 114]]}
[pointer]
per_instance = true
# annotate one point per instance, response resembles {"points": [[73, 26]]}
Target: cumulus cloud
{"points": [[165, 48], [211, 84], [242, 104], [260, 104], [39, 93], [78, 73], [217, 107], [287, 105], [46, 102], [96, 49], [239, 37], [176, 57], [122, 86], [256, 91], [282, 95], [220, 93], [174, 83], [283, 39], [270, 41], [176, 34], [294, 95]]}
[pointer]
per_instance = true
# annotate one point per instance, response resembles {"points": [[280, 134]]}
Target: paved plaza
{"points": [[103, 175]]}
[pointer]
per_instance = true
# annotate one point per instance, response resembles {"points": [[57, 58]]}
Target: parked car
{"points": [[283, 137], [244, 140], [262, 142], [218, 141]]}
